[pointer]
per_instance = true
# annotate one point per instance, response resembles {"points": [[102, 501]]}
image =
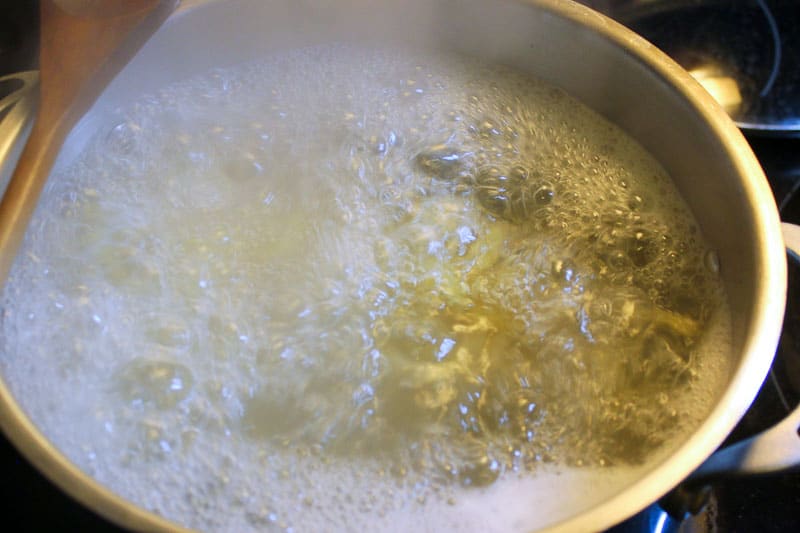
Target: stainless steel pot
{"points": [[596, 60]]}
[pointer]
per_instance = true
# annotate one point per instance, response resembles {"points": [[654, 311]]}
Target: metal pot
{"points": [[599, 62]]}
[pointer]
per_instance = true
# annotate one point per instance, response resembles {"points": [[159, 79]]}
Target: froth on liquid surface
{"points": [[341, 288]]}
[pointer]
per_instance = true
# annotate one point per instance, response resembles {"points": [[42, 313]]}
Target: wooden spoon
{"points": [[83, 45]]}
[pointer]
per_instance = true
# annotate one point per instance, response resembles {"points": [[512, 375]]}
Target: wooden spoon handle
{"points": [[83, 45]]}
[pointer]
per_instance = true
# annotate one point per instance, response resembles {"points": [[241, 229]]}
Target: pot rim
{"points": [[743, 385], [768, 309]]}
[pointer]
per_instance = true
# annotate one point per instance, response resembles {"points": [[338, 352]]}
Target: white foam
{"points": [[199, 315]]}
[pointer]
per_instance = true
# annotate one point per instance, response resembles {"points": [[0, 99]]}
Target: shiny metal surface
{"points": [[745, 53], [17, 110], [776, 449], [773, 450], [596, 60]]}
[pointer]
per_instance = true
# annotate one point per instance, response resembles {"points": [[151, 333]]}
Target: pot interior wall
{"points": [[586, 64]]}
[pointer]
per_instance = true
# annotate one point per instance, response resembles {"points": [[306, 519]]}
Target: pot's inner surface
{"points": [[346, 284], [365, 286]]}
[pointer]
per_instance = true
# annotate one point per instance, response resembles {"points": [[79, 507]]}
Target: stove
{"points": [[748, 51]]}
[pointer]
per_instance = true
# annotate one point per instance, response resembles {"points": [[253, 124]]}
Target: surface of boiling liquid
{"points": [[349, 288]]}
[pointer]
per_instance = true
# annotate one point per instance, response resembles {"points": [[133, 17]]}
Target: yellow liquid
{"points": [[345, 286]]}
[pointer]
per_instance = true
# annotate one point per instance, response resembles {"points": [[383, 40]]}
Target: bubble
{"points": [[636, 203], [399, 285], [641, 248], [168, 331], [711, 261], [564, 270], [124, 137], [489, 128], [544, 195], [441, 162], [154, 382]]}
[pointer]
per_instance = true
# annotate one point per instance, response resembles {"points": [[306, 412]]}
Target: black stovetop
{"points": [[29, 502]]}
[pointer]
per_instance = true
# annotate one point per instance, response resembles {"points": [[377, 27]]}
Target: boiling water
{"points": [[348, 289]]}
